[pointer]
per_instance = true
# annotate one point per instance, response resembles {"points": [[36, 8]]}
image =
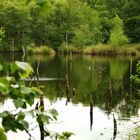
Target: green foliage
{"points": [[78, 22], [117, 37], [67, 49], [136, 78], [131, 16], [12, 85], [2, 134], [65, 136], [135, 134]]}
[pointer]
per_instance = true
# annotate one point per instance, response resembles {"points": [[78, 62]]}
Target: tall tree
{"points": [[117, 36], [131, 16]]}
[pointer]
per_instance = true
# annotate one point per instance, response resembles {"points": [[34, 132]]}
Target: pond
{"points": [[103, 82]]}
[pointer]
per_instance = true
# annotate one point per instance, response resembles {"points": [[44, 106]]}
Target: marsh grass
{"points": [[108, 50], [100, 49], [67, 49], [45, 50]]}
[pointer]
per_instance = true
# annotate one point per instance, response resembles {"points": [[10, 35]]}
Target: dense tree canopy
{"points": [[56, 22]]}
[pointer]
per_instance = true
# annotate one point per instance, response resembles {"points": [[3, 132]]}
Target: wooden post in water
{"points": [[41, 124], [91, 112], [110, 98], [67, 89], [40, 106], [115, 127]]}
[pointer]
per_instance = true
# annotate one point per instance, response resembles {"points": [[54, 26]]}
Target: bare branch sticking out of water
{"points": [[91, 112], [115, 127]]}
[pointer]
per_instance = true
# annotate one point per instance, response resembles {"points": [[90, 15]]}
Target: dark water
{"points": [[104, 81]]}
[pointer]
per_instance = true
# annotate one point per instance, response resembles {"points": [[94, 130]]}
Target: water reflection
{"points": [[90, 76], [93, 88]]}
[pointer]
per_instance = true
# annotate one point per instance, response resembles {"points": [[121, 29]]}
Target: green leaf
{"points": [[5, 68], [18, 103], [4, 82], [21, 116], [26, 90], [14, 93], [24, 123], [4, 114], [54, 113], [4, 86], [67, 134], [2, 134], [13, 68], [29, 99], [44, 118], [37, 90], [9, 123], [25, 67], [19, 126], [15, 85]]}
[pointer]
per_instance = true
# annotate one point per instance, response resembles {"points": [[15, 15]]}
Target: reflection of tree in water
{"points": [[90, 75]]}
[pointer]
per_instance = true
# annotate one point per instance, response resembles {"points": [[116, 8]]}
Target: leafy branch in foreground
{"points": [[13, 87], [135, 133], [136, 78]]}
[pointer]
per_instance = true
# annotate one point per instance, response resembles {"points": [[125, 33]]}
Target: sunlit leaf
{"points": [[15, 86], [2, 134], [37, 90], [26, 90], [2, 85], [25, 67]]}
